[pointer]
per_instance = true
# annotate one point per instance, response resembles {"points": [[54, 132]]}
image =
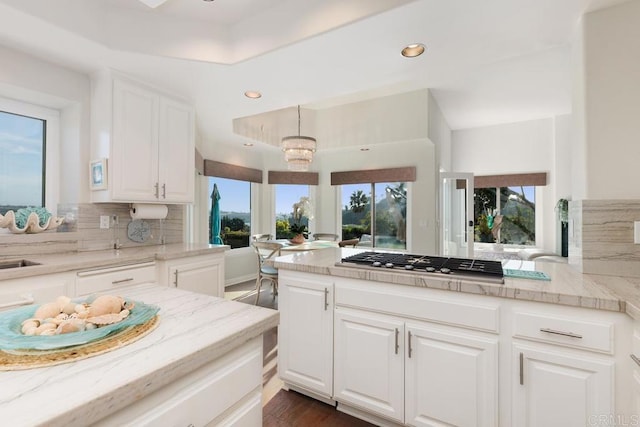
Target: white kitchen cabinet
{"points": [[369, 362], [451, 377], [148, 138], [114, 279], [227, 391], [15, 293], [560, 387], [305, 334], [203, 274]]}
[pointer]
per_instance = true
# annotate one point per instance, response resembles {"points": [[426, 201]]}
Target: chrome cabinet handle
{"points": [[521, 368], [397, 345], [117, 282], [164, 191], [326, 299], [409, 343], [635, 359], [156, 191], [564, 334], [175, 282]]}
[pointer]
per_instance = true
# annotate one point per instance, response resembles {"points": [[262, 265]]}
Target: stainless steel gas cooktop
{"points": [[464, 268]]}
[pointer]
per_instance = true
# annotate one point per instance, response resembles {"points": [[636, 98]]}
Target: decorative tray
{"points": [[11, 338]]}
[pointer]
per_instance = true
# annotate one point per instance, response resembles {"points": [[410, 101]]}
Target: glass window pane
{"points": [[22, 145], [235, 211], [391, 215], [286, 196], [518, 209], [356, 213], [484, 200]]}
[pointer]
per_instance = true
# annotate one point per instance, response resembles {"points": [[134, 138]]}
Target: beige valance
{"points": [[404, 174], [512, 180], [226, 170], [286, 177]]}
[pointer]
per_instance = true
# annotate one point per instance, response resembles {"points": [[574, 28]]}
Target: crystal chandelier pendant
{"points": [[298, 150]]}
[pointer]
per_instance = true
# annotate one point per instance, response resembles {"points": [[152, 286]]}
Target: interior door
{"points": [[456, 214]]}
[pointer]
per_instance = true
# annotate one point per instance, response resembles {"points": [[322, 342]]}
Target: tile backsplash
{"points": [[81, 231]]}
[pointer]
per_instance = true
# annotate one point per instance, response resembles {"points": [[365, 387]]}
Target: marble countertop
{"points": [[57, 263], [567, 285], [194, 329]]}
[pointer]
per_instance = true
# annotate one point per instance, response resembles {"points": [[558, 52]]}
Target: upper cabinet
{"points": [[148, 138]]}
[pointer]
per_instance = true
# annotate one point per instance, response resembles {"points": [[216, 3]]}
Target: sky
{"points": [[20, 160], [235, 195]]}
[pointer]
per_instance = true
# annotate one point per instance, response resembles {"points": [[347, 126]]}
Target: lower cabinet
{"points": [[414, 372], [203, 274], [15, 293], [225, 392], [305, 333], [557, 388]]}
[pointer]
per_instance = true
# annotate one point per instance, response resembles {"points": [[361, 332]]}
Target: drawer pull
{"points": [[117, 282], [175, 282], [635, 359], [397, 345], [564, 334], [164, 191], [156, 191], [409, 343], [25, 300], [326, 299], [521, 368]]}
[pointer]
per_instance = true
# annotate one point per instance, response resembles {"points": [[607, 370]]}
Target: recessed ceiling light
{"points": [[253, 94], [413, 50], [246, 144]]}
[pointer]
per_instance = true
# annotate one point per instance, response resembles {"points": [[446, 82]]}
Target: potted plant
{"points": [[562, 208], [300, 209]]}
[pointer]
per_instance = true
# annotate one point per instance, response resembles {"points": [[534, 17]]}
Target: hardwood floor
{"points": [[285, 408]]}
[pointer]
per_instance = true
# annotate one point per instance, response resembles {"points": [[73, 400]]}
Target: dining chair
{"points": [[266, 251], [326, 236], [261, 237], [350, 242]]}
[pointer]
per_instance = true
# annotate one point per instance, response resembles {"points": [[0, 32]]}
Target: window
{"points": [[386, 203], [235, 211], [27, 145], [505, 215], [286, 196]]}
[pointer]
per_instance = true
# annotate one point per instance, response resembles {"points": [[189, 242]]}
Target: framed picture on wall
{"points": [[98, 174]]}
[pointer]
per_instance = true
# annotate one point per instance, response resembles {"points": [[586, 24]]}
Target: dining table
{"points": [[307, 245]]}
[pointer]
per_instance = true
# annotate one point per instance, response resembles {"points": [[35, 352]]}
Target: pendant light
{"points": [[298, 150]]}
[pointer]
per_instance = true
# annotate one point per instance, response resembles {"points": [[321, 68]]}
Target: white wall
{"points": [[33, 80], [440, 134], [612, 90], [531, 146]]}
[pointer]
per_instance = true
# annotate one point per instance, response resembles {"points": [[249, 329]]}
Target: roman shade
{"points": [[404, 174], [512, 180], [226, 170], [286, 177]]}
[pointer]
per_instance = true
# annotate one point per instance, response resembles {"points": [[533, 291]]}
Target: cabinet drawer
{"points": [[583, 334], [112, 279], [225, 389]]}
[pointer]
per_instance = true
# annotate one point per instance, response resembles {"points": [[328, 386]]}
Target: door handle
{"points": [[521, 368], [471, 223], [326, 299], [397, 345], [164, 191], [156, 191], [410, 350], [176, 280]]}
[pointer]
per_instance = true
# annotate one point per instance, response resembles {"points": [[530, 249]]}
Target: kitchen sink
{"points": [[17, 263]]}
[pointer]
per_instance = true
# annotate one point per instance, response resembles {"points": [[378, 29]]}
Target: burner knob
{"points": [[408, 267], [377, 264], [430, 269], [389, 265], [445, 270]]}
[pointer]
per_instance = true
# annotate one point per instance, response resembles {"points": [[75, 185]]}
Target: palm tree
{"points": [[358, 201]]}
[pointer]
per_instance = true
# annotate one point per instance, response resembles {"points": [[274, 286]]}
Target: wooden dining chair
{"points": [[350, 242], [326, 236], [266, 251], [261, 237]]}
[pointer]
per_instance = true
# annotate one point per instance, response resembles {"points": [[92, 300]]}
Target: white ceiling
{"points": [[487, 62]]}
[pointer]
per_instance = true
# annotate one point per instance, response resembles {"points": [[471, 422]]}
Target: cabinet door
{"points": [[305, 334], [134, 167], [176, 152], [555, 387], [451, 377], [205, 277], [369, 366]]}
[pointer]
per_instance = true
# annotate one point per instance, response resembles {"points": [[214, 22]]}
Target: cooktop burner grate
{"points": [[478, 269]]}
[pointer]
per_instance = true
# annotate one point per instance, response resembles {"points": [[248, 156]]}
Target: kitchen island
{"points": [[416, 348], [203, 362]]}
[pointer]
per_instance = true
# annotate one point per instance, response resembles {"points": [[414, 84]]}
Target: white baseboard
{"points": [[240, 279], [373, 419]]}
